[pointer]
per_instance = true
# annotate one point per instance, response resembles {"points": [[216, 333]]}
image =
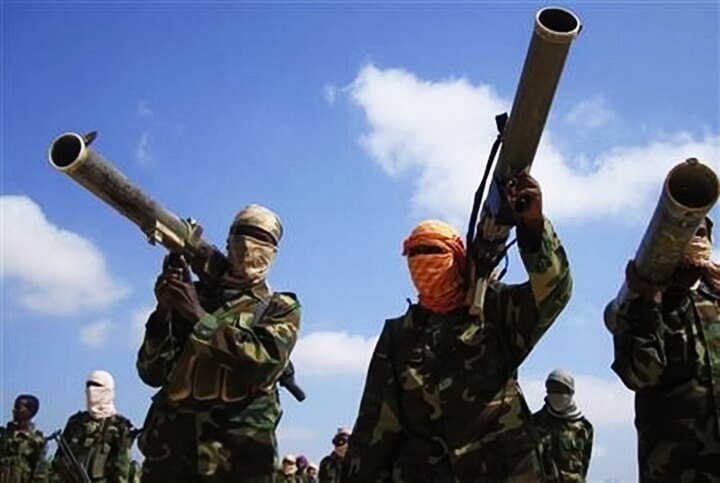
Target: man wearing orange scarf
{"points": [[667, 350], [441, 401]]}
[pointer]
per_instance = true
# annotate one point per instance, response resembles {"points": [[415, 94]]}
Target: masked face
{"points": [[436, 260], [438, 279], [559, 402], [341, 445], [100, 395], [250, 258]]}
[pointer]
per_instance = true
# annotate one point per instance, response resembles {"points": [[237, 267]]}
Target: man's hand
{"points": [[643, 287], [175, 291], [525, 199]]}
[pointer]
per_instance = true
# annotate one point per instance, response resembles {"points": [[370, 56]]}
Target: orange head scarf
{"points": [[438, 277]]}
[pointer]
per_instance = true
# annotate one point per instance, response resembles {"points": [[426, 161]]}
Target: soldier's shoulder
{"points": [[78, 418], [282, 304], [541, 415], [586, 423], [407, 318], [120, 420]]}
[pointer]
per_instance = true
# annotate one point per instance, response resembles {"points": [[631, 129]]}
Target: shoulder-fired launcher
{"points": [[553, 33], [71, 153], [688, 194]]}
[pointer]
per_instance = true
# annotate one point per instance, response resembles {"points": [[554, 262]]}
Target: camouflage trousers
{"points": [[204, 447], [679, 451], [520, 468]]}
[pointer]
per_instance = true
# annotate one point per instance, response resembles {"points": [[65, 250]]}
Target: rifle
{"points": [[689, 192], [554, 30], [71, 467], [71, 154]]}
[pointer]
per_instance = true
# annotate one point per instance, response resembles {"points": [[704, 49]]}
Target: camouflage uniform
{"points": [[102, 447], [216, 414], [22, 455], [330, 469], [565, 446], [442, 402], [135, 472], [280, 477], [669, 354]]}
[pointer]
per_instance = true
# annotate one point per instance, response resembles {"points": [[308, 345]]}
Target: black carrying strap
{"points": [[287, 377], [500, 121], [486, 265]]}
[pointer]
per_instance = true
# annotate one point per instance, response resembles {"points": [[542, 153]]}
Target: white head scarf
{"points": [[100, 399]]}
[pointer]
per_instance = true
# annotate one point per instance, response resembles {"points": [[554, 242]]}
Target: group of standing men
{"points": [[94, 445], [441, 401]]}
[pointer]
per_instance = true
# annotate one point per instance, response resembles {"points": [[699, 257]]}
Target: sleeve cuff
{"points": [[538, 260]]}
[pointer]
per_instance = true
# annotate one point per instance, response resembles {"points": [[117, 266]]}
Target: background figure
{"points": [[288, 472], [98, 437], [331, 465], [565, 435], [441, 400], [216, 350], [311, 473], [22, 447], [302, 463], [667, 350]]}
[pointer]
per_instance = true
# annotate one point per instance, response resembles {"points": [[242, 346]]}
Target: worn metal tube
{"points": [[689, 192], [555, 29]]}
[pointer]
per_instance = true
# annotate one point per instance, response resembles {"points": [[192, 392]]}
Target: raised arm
{"points": [[529, 309]]}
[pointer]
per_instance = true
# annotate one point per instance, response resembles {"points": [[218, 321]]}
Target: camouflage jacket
{"points": [[281, 477], [22, 455], [669, 355], [232, 356], [102, 447], [441, 399], [330, 469], [565, 446], [224, 368]]}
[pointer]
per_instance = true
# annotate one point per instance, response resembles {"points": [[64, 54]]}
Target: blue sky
{"points": [[353, 122]]}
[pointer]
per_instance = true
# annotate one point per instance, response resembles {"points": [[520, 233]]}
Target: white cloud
{"points": [[603, 402], [142, 153], [590, 114], [54, 271], [331, 353], [330, 93], [137, 325], [96, 335], [440, 133]]}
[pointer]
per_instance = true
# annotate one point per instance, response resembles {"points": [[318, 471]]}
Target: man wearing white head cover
{"points": [[99, 437], [565, 435], [100, 395], [217, 352]]}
